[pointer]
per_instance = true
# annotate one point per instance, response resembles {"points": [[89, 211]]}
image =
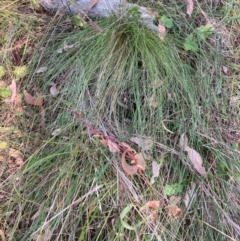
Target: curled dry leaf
{"points": [[193, 155], [141, 163], [174, 211], [32, 100], [92, 3], [129, 169], [129, 148], [189, 7]]}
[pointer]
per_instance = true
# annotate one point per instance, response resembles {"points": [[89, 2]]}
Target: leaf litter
{"points": [[193, 155]]}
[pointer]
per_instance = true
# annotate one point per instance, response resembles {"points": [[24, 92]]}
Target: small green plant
{"points": [[190, 43], [173, 189], [2, 71], [204, 31], [168, 22], [5, 92]]}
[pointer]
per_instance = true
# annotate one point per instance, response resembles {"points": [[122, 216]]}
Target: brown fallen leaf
{"points": [[193, 155], [196, 160], [129, 148], [17, 155], [155, 204], [154, 215], [189, 7], [129, 169], [113, 147], [174, 210], [162, 29], [33, 100], [92, 3]]}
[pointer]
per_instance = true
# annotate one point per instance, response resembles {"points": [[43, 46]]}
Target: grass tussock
{"points": [[125, 81]]}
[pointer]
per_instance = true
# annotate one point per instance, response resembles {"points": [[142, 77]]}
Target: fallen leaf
{"points": [[2, 158], [145, 143], [92, 3], [45, 235], [174, 200], [189, 7], [154, 215], [196, 160], [32, 100], [155, 170], [174, 210], [190, 195], [152, 102], [129, 148], [162, 29], [2, 235], [183, 141], [65, 48], [113, 147], [129, 169], [155, 204], [13, 88], [56, 132], [19, 161], [193, 155], [15, 153], [41, 69], [141, 163], [234, 100], [53, 89], [225, 69]]}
